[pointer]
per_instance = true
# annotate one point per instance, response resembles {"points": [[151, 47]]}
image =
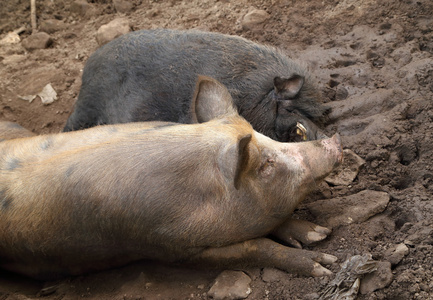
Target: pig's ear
{"points": [[233, 160], [211, 100], [288, 88], [243, 157]]}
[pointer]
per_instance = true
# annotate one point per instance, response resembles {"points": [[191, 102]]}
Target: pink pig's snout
{"points": [[333, 145], [320, 158]]}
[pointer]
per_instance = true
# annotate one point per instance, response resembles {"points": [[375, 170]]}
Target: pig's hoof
{"points": [[318, 269], [294, 232]]}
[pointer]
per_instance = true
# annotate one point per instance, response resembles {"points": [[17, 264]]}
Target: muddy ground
{"points": [[374, 63]]}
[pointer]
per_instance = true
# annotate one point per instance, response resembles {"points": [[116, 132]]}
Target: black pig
{"points": [[150, 75]]}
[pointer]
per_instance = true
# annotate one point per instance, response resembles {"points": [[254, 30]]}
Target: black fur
{"points": [[150, 75]]}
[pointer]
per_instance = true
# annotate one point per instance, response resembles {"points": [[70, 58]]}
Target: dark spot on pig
{"points": [[14, 125], [47, 143], [5, 200], [12, 164], [156, 128], [165, 125], [69, 171], [112, 129], [1, 140]]}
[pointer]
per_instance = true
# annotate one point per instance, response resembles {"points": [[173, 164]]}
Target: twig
{"points": [[33, 15], [19, 30]]}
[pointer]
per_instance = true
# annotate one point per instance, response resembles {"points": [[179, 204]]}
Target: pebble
{"points": [[254, 18], [112, 30], [231, 285], [395, 254], [39, 40], [122, 6], [348, 170], [80, 7], [51, 25]]}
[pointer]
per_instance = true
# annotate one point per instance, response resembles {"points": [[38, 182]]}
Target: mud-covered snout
{"points": [[334, 146], [319, 158]]}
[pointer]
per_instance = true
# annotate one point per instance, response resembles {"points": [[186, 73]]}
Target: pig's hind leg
{"points": [[295, 231], [264, 252]]}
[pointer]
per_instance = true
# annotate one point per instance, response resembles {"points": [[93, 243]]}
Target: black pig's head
{"points": [[299, 114]]}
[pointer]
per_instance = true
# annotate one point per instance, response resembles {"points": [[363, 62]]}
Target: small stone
{"points": [[39, 40], [122, 6], [348, 170], [377, 280], [10, 38], [271, 275], [112, 30], [254, 18], [231, 285], [51, 25], [395, 254], [80, 7]]}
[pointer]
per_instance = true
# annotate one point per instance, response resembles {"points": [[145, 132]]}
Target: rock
{"points": [[254, 18], [112, 30], [379, 279], [122, 6], [81, 7], [272, 275], [348, 170], [10, 38], [39, 40], [51, 25], [346, 210], [395, 254], [231, 285]]}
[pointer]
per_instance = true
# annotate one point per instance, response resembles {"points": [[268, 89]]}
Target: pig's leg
{"points": [[264, 252], [294, 232]]}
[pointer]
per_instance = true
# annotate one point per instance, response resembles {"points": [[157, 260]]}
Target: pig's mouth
{"points": [[301, 131], [298, 133]]}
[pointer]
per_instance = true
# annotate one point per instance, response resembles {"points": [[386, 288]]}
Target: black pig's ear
{"points": [[211, 100], [288, 88], [233, 160]]}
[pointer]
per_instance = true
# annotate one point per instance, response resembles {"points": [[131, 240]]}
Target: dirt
{"points": [[374, 63]]}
